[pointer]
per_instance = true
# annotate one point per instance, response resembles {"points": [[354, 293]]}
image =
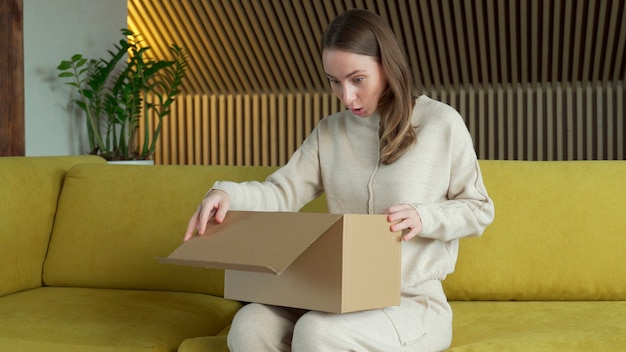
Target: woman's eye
{"points": [[358, 79]]}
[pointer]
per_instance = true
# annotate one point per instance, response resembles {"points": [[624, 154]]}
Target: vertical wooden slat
{"points": [[299, 122], [605, 102], [246, 142], [257, 128], [588, 123], [239, 143], [550, 122], [204, 125], [222, 148], [282, 134], [511, 123], [560, 138], [579, 141], [172, 139], [289, 123], [193, 128], [519, 117], [265, 127], [490, 135], [537, 134], [568, 114], [620, 112], [212, 128], [273, 133], [528, 110]]}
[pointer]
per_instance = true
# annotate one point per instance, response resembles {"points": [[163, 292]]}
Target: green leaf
{"points": [[66, 74], [81, 62]]}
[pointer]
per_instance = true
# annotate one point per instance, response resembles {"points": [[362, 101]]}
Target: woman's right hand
{"points": [[214, 205]]}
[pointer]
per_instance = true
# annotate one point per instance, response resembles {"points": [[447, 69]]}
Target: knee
{"points": [[245, 326], [258, 327], [313, 330], [249, 315]]}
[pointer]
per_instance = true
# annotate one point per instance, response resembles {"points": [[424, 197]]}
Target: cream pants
{"points": [[422, 322]]}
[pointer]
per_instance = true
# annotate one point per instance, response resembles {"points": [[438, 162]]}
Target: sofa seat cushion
{"points": [[205, 344], [79, 319], [539, 326]]}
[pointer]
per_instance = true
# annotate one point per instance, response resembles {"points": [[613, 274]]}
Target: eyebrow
{"points": [[348, 75]]}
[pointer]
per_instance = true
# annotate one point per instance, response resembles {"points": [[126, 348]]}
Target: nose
{"points": [[348, 95]]}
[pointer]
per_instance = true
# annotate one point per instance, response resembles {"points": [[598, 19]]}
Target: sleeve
{"points": [[287, 189], [468, 209]]}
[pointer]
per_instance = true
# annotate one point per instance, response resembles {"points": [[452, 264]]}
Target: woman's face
{"points": [[358, 80]]}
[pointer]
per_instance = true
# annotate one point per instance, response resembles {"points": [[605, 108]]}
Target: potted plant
{"points": [[113, 94]]}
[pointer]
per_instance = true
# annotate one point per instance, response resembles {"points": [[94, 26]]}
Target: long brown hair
{"points": [[365, 33]]}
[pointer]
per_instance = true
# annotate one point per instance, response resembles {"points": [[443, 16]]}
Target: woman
{"points": [[390, 152]]}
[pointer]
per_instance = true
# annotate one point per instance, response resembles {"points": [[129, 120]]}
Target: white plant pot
{"points": [[132, 162]]}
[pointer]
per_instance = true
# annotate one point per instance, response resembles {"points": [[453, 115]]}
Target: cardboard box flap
{"points": [[254, 241]]}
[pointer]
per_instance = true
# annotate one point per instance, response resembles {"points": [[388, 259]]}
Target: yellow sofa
{"points": [[79, 238]]}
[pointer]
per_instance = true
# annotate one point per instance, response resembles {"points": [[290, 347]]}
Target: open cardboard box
{"points": [[327, 262]]}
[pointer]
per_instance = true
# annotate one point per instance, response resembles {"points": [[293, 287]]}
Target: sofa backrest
{"points": [[559, 234], [113, 221], [29, 190]]}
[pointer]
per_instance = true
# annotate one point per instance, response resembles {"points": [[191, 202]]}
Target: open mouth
{"points": [[357, 111]]}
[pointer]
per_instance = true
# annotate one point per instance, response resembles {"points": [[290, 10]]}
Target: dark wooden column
{"points": [[11, 78]]}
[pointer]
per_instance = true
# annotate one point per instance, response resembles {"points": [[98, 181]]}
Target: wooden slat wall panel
{"points": [[261, 129], [545, 122], [262, 46], [534, 79]]}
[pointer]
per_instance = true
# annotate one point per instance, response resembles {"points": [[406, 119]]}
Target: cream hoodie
{"points": [[439, 176]]}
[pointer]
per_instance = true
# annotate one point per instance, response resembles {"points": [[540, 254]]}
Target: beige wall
{"points": [[55, 30]]}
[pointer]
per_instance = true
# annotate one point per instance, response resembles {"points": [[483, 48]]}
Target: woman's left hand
{"points": [[406, 219]]}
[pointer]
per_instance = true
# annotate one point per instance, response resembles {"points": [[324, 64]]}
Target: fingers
{"points": [[214, 205], [206, 215], [191, 227], [410, 234], [404, 218]]}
